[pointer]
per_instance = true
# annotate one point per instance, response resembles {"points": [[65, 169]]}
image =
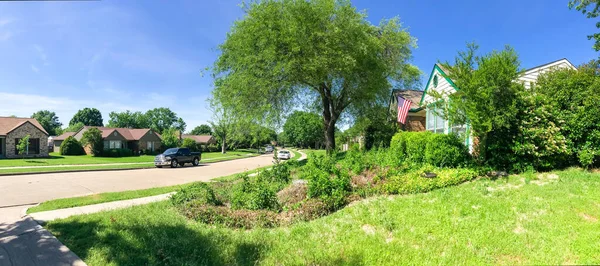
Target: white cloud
{"points": [[34, 69], [41, 53]]}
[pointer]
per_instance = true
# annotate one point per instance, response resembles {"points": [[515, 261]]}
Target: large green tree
{"points": [[161, 119], [128, 119], [49, 121], [223, 124], [93, 138], [304, 129], [87, 116], [202, 130], [487, 95], [323, 51], [591, 9]]}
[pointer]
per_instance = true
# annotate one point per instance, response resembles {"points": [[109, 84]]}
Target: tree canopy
{"points": [[322, 50], [203, 129], [128, 119], [87, 116], [49, 122], [162, 118], [93, 138], [304, 129]]}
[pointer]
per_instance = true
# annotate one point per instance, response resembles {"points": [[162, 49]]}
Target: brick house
{"points": [[13, 129], [135, 139]]}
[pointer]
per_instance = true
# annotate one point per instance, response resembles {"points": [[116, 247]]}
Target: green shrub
{"points": [[445, 151], [413, 182], [70, 146], [254, 194], [93, 139], [326, 181], [200, 193], [586, 157], [190, 143], [117, 153]]}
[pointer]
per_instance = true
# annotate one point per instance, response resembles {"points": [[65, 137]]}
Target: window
{"points": [[106, 145], [150, 145], [435, 120], [33, 147], [115, 144]]}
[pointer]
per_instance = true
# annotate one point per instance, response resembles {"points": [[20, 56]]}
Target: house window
{"points": [[106, 144], [115, 144], [33, 147], [435, 120], [150, 145]]}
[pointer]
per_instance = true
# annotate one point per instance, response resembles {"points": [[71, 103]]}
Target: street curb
{"points": [[24, 211]]}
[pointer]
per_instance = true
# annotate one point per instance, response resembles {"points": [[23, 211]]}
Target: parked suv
{"points": [[175, 157]]}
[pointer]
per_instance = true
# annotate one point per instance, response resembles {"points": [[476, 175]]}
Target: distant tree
{"points": [[189, 143], [170, 138], [180, 125], [223, 124], [23, 145], [304, 129], [87, 116], [161, 119], [128, 119], [591, 9], [49, 122], [74, 128], [203, 129], [324, 50], [376, 125], [93, 137]]}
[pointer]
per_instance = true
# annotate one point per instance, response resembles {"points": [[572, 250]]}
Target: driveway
{"points": [[22, 242]]}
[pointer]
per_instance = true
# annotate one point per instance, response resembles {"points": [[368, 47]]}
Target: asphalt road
{"points": [[23, 242]]}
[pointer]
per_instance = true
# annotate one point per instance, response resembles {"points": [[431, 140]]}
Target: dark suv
{"points": [[175, 157]]}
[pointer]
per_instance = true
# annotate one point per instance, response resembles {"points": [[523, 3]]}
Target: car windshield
{"points": [[170, 151], [284, 152]]}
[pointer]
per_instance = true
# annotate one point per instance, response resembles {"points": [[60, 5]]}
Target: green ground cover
{"points": [[547, 218]]}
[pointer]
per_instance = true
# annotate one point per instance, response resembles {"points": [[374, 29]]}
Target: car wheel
{"points": [[174, 163], [158, 166], [196, 162]]}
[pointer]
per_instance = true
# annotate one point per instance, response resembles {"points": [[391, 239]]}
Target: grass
{"points": [[56, 159], [78, 162], [125, 195], [519, 221]]}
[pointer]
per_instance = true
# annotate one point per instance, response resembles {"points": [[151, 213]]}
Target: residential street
{"points": [[23, 243]]}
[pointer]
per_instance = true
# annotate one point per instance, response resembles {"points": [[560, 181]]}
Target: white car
{"points": [[284, 155], [269, 149]]}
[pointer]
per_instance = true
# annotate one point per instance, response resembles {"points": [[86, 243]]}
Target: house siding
{"points": [[143, 142], [531, 76], [443, 88], [22, 131]]}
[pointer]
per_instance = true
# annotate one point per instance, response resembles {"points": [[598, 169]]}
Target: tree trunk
{"points": [[329, 120], [223, 149]]}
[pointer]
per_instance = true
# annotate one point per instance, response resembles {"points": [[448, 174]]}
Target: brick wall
{"points": [[22, 131], [415, 123]]}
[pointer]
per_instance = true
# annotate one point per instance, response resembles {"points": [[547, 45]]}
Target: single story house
{"points": [[135, 139], [422, 114], [13, 129], [201, 139]]}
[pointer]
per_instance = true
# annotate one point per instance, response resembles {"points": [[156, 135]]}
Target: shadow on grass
{"points": [[123, 244]]}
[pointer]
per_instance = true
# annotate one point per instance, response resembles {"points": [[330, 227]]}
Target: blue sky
{"points": [[136, 55]]}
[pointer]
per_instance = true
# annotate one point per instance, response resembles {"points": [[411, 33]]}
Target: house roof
{"points": [[551, 64], [8, 124], [64, 136], [412, 95], [199, 138], [127, 133]]}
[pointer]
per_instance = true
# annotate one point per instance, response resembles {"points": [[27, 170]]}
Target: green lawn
{"points": [[524, 221], [56, 159]]}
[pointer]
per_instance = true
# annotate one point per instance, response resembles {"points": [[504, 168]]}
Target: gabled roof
{"points": [[412, 95], [443, 72], [127, 133], [199, 138], [564, 60], [64, 136], [8, 124]]}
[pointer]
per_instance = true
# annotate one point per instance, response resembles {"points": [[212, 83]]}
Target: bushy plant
{"points": [[587, 157], [199, 192], [326, 181], [418, 148], [190, 143], [70, 146], [413, 182], [254, 194], [93, 138], [124, 152]]}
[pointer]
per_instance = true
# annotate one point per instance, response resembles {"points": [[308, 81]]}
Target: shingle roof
{"points": [[127, 133], [64, 136], [8, 124], [199, 138], [412, 95]]}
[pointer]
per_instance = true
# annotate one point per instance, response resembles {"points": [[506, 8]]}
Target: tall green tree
{"points": [[87, 116], [591, 9], [223, 124], [170, 138], [93, 138], [324, 50], [49, 122], [487, 97], [161, 119], [128, 119], [203, 129], [304, 129], [74, 128]]}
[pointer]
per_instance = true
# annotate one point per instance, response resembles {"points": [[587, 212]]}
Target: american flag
{"points": [[403, 107]]}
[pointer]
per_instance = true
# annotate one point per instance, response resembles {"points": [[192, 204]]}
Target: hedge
{"points": [[443, 150]]}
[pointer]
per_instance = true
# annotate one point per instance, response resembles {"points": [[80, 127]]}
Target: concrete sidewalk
{"points": [[43, 217]]}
